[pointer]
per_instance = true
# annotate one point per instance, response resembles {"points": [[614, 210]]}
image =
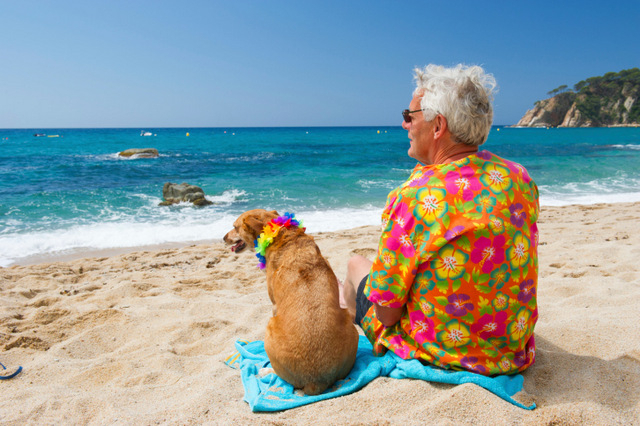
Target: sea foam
{"points": [[612, 189], [182, 225]]}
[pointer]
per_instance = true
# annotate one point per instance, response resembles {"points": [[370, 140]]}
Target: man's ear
{"points": [[440, 126]]}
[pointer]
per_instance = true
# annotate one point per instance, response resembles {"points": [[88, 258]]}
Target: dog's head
{"points": [[247, 228]]}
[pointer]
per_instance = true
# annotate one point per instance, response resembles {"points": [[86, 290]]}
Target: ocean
{"points": [[69, 191]]}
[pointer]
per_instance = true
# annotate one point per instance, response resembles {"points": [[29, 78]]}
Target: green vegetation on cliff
{"points": [[610, 99]]}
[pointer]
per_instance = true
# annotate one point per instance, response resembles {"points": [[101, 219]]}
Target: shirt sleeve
{"points": [[394, 268]]}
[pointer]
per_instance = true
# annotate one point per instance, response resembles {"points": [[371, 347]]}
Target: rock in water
{"points": [[174, 193], [140, 153]]}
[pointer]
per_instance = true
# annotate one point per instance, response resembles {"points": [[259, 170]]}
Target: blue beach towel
{"points": [[268, 392]]}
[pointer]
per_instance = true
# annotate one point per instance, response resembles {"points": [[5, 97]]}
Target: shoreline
{"points": [[610, 126], [104, 340], [89, 253]]}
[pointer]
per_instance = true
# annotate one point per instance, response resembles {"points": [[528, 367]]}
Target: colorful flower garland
{"points": [[270, 231]]}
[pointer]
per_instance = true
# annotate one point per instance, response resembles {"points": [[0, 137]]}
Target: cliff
{"points": [[609, 100]]}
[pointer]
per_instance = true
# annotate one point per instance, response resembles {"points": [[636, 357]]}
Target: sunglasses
{"points": [[406, 116]]}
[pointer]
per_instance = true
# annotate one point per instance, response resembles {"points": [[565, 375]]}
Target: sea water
{"points": [[69, 191]]}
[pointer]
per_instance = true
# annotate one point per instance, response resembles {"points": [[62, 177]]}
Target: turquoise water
{"points": [[72, 192]]}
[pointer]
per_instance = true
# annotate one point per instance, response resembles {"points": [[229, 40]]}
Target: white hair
{"points": [[463, 95]]}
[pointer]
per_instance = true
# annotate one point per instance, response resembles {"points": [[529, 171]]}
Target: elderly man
{"points": [[454, 281]]}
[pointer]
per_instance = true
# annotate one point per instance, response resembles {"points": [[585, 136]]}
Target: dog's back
{"points": [[311, 341]]}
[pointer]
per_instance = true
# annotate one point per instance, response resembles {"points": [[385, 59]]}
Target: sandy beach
{"points": [[140, 338]]}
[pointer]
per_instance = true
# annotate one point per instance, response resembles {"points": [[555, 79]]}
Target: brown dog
{"points": [[311, 341]]}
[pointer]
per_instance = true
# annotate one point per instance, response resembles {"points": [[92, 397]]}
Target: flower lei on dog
{"points": [[270, 231]]}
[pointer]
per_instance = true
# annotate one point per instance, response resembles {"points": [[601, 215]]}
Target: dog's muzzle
{"points": [[238, 247]]}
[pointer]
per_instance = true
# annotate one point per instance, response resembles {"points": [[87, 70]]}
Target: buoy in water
{"points": [[187, 134]]}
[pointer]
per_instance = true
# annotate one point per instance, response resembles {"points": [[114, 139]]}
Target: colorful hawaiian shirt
{"points": [[459, 250]]}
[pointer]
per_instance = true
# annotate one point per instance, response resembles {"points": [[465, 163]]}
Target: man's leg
{"points": [[357, 268]]}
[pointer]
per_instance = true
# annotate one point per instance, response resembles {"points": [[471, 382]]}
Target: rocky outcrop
{"points": [[573, 118], [608, 100], [549, 112], [174, 193], [139, 153]]}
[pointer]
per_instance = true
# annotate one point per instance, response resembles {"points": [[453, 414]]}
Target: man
{"points": [[455, 278]]}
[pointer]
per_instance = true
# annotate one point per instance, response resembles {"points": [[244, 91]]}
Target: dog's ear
{"points": [[254, 225]]}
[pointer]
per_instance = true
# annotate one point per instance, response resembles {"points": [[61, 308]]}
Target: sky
{"points": [[237, 63]]}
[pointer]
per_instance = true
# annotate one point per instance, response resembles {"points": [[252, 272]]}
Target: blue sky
{"points": [[288, 63]]}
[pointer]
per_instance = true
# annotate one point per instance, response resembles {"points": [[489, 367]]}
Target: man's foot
{"points": [[347, 298], [343, 303]]}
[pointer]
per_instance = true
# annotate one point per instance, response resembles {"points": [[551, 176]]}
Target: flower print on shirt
{"points": [[388, 258], [471, 363], [462, 183], [455, 335], [420, 179], [427, 308], [458, 305], [520, 358], [518, 170], [520, 326], [402, 350], [485, 155], [400, 240], [531, 349], [423, 327], [450, 264], [535, 235], [420, 236], [459, 281], [496, 225], [453, 233], [431, 204], [486, 253], [424, 279], [496, 177], [517, 215], [491, 325], [500, 276], [500, 302], [403, 217], [385, 299], [504, 364], [518, 253], [484, 202], [527, 291]]}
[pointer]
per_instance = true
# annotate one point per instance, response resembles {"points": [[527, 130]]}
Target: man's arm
{"points": [[388, 316]]}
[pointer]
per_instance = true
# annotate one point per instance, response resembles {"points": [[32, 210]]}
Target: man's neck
{"points": [[453, 151]]}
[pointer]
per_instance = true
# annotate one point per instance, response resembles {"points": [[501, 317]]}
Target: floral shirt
{"points": [[459, 250]]}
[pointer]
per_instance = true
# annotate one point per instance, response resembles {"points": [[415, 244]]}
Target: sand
{"points": [[140, 338]]}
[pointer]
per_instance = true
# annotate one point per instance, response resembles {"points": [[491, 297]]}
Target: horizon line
{"points": [[209, 127]]}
